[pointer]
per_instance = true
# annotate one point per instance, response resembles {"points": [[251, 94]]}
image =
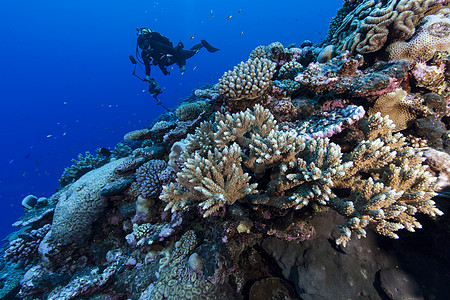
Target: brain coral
{"points": [[80, 204], [367, 27], [433, 36], [248, 80], [395, 105]]}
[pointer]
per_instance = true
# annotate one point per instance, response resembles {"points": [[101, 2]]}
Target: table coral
{"points": [[342, 75]]}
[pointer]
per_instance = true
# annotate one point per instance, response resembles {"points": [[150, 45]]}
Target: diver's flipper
{"points": [[196, 47], [208, 46]]}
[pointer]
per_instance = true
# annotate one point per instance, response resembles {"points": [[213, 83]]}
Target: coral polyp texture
{"points": [[247, 80], [369, 25], [298, 171], [432, 36]]}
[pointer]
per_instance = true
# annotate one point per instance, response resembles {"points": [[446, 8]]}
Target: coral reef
{"points": [[369, 25], [83, 165], [432, 36], [277, 185]]}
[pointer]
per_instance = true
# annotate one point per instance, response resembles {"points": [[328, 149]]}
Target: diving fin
{"points": [[208, 46]]}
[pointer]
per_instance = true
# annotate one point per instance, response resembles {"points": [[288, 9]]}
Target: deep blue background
{"points": [[66, 84]]}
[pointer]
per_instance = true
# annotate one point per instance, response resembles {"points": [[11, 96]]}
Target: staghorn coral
{"points": [[398, 187], [213, 181], [247, 80], [381, 171], [433, 36]]}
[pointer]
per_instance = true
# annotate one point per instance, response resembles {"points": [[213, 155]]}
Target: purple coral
{"points": [[147, 177], [25, 247], [327, 123]]}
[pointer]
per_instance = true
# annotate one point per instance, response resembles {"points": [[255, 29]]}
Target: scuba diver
{"points": [[156, 49]]}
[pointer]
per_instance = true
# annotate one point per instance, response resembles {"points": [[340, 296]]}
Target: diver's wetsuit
{"points": [[158, 50]]}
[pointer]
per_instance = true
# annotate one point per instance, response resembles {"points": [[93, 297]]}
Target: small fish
{"points": [[65, 102], [192, 37], [194, 68], [171, 69], [241, 33], [65, 132], [24, 173], [27, 156], [212, 16], [239, 11], [229, 17], [105, 152], [38, 161], [49, 136], [11, 161]]}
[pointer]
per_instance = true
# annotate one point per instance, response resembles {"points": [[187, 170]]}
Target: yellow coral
{"points": [[214, 181], [399, 185], [395, 105]]}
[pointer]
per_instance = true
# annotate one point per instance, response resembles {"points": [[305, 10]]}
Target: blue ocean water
{"points": [[66, 85]]}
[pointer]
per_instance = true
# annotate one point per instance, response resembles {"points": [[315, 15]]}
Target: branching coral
{"points": [[381, 171], [398, 187], [83, 165], [247, 80], [214, 181]]}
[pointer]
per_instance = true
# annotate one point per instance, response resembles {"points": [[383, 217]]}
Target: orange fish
{"points": [[192, 37], [229, 17], [212, 16], [239, 10], [242, 33]]}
